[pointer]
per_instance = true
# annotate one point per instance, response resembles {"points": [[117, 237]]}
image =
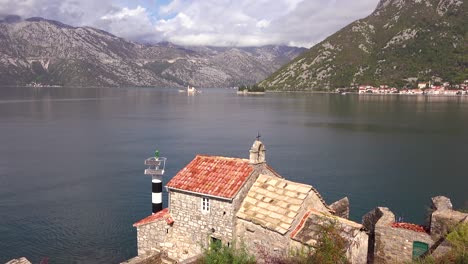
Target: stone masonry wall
{"points": [[151, 237], [257, 239], [237, 201], [192, 228], [395, 245]]}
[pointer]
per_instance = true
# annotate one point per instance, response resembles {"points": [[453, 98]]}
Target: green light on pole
{"points": [[156, 154]]}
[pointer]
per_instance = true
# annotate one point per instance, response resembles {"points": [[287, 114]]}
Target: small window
{"points": [[205, 205]]}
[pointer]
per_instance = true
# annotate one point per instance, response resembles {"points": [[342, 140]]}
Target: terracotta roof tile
{"points": [[163, 214], [212, 175], [409, 226]]}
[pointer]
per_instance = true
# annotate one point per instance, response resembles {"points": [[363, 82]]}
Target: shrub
{"points": [[458, 238], [330, 247], [217, 253]]}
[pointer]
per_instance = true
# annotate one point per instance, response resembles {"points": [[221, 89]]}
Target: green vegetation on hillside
{"points": [[397, 45]]}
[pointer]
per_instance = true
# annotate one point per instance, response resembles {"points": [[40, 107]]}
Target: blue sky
{"points": [[203, 22]]}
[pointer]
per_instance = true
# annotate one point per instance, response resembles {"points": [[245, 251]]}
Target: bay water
{"points": [[71, 159]]}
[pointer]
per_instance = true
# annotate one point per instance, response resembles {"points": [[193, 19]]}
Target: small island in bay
{"points": [[254, 89]]}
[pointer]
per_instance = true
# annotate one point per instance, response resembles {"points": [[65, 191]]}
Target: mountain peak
{"points": [[11, 19], [440, 5], [48, 52], [54, 22]]}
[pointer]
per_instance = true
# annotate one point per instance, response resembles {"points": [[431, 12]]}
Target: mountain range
{"points": [[400, 43], [47, 52]]}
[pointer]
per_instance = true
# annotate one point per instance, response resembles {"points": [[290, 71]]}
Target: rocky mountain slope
{"points": [[51, 53], [402, 41]]}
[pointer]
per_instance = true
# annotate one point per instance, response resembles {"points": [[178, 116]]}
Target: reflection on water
{"points": [[71, 160]]}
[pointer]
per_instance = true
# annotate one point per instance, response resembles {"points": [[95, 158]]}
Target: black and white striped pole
{"points": [[155, 168]]}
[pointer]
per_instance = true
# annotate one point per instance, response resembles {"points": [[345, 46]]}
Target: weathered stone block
{"points": [[441, 203], [341, 207]]}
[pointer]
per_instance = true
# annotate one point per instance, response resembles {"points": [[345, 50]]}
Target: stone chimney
{"points": [[257, 153]]}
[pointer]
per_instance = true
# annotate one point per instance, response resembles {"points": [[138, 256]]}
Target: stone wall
{"points": [[192, 228], [258, 240], [341, 207], [237, 201], [443, 218], [357, 250], [151, 237], [145, 259], [392, 245]]}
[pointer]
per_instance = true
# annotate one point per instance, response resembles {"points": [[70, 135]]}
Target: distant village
{"points": [[423, 88]]}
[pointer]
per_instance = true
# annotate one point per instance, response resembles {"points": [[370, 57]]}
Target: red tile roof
{"points": [[409, 226], [163, 214], [213, 175]]}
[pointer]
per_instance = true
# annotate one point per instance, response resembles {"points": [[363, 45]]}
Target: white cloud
{"points": [[262, 23], [134, 24], [242, 22], [204, 22]]}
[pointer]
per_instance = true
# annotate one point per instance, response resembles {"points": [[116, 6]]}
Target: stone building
{"points": [[226, 199], [204, 198]]}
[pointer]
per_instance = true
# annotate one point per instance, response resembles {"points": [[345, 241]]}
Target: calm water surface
{"points": [[71, 160]]}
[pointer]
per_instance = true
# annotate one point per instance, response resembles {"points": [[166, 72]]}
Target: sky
{"points": [[300, 23]]}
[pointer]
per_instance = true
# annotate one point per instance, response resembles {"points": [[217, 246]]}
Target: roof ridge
{"points": [[221, 157]]}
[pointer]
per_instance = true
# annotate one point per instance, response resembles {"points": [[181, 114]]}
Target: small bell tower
{"points": [[257, 152]]}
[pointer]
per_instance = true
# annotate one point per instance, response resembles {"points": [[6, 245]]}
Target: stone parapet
{"points": [[341, 207]]}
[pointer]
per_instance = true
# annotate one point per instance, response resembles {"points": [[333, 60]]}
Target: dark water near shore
{"points": [[71, 160]]}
